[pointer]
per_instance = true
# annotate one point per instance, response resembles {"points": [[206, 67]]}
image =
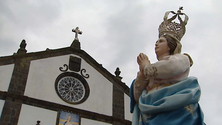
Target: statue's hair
{"points": [[171, 42]]}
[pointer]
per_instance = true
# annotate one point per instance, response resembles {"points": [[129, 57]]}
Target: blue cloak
{"points": [[172, 105]]}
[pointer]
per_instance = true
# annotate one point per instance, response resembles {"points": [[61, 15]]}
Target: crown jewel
{"points": [[176, 30]]}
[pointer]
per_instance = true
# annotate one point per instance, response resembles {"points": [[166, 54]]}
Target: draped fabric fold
{"points": [[173, 105]]}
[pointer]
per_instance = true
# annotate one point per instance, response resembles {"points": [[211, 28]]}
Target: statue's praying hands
{"points": [[142, 60]]}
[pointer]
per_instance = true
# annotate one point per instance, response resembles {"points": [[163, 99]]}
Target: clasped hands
{"points": [[142, 60]]}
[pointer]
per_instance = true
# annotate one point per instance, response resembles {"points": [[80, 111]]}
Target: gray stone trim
{"points": [[118, 103], [20, 99], [12, 106]]}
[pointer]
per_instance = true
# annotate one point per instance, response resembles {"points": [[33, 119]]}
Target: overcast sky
{"points": [[116, 31]]}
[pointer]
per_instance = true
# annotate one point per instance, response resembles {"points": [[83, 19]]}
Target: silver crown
{"points": [[176, 30]]}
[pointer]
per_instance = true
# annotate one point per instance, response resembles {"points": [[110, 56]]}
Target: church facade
{"points": [[63, 86]]}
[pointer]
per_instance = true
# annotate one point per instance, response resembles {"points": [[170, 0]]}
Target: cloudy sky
{"points": [[116, 31]]}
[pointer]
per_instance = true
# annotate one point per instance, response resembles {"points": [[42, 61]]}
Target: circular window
{"points": [[72, 88]]}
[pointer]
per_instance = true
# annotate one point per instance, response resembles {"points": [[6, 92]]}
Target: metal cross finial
{"points": [[77, 31], [180, 8]]}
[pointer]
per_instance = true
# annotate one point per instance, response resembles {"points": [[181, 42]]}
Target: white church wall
{"points": [[85, 121], [41, 84], [5, 76], [128, 115], [29, 115], [2, 102]]}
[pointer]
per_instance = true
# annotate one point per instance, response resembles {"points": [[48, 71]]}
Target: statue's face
{"points": [[161, 46]]}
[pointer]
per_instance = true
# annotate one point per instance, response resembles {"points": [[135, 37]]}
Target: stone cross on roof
{"points": [[77, 31]]}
